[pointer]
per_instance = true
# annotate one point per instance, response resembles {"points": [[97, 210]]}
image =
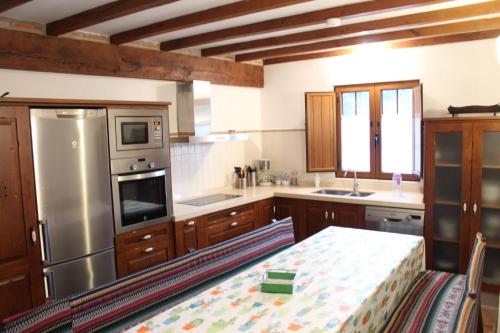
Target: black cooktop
{"points": [[202, 201]]}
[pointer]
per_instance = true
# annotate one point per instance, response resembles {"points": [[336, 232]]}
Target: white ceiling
{"points": [[45, 11]]}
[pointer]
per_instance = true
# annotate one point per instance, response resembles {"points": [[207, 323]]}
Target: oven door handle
{"points": [[139, 176]]}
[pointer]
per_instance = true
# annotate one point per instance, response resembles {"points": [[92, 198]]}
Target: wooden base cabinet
{"points": [[320, 215], [462, 194], [140, 249], [21, 282], [310, 216], [190, 235]]}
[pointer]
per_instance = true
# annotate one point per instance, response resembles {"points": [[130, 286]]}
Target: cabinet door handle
{"points": [[33, 236], [146, 237], [333, 215], [274, 209], [464, 207], [191, 223], [326, 215], [234, 224], [233, 213], [474, 208], [149, 250]]}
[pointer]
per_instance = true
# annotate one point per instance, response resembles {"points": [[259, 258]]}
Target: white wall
{"points": [[194, 167], [453, 74]]}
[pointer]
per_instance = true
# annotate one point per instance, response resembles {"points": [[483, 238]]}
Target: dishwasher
{"points": [[397, 220]]}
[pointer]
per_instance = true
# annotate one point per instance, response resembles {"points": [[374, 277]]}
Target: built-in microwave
{"points": [[137, 132]]}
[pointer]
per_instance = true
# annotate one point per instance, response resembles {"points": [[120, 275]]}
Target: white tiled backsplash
{"points": [[203, 166]]}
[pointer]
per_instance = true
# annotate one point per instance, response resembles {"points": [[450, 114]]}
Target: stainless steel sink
{"points": [[343, 192], [332, 192], [360, 194]]}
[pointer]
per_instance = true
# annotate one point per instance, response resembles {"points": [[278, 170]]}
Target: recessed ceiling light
{"points": [[333, 22]]}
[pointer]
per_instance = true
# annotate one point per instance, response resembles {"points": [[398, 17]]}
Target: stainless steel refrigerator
{"points": [[70, 149]]}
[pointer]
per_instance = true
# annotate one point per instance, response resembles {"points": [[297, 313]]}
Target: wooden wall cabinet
{"points": [[140, 249], [462, 194], [321, 138], [21, 283]]}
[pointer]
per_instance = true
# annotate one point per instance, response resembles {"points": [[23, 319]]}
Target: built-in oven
{"points": [[141, 199]]}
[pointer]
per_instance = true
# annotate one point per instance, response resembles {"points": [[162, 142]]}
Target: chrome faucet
{"points": [[355, 182]]}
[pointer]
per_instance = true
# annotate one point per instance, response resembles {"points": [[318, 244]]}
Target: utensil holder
{"points": [[252, 179], [242, 183]]}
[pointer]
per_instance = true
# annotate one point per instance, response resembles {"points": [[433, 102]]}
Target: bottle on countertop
{"points": [[317, 180], [397, 184]]}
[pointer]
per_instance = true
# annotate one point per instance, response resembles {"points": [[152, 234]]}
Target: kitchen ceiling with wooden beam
{"points": [[290, 22], [206, 16], [436, 30], [426, 41], [430, 17], [5, 5], [100, 14]]}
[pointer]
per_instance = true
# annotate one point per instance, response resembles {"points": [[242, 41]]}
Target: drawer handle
{"points": [[234, 224], [233, 213], [191, 223], [149, 250], [146, 237]]}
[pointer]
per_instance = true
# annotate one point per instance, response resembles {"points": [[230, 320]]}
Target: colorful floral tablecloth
{"points": [[348, 280]]}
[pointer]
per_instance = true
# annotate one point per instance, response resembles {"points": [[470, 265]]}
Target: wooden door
{"points": [[317, 216], [21, 284], [347, 215], [485, 198], [321, 132], [190, 235], [265, 212], [448, 155]]}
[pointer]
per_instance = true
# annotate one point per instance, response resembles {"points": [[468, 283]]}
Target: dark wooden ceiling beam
{"points": [[34, 52], [101, 14], [427, 41], [228, 11], [5, 5], [436, 30], [435, 16], [289, 22]]}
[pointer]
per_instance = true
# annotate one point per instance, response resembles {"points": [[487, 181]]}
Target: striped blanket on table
{"points": [[135, 298]]}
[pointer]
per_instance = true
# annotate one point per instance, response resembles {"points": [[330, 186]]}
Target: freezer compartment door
{"points": [[79, 275], [73, 186]]}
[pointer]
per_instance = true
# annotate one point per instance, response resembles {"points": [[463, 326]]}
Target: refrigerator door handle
{"points": [[44, 240], [48, 280]]}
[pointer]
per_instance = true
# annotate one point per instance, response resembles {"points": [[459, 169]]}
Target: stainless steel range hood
{"points": [[194, 117]]}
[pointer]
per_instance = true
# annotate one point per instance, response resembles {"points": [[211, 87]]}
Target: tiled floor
{"points": [[489, 319]]}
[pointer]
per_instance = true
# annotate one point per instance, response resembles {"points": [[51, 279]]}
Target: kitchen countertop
{"points": [[410, 200]]}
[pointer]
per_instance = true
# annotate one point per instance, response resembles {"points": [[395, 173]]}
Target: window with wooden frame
{"points": [[379, 129]]}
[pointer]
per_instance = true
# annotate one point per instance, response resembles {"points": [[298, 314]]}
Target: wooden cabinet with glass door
{"points": [[462, 193], [485, 197]]}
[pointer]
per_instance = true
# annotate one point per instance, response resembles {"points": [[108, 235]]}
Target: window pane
{"points": [[355, 129], [389, 102], [349, 104], [397, 131]]}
